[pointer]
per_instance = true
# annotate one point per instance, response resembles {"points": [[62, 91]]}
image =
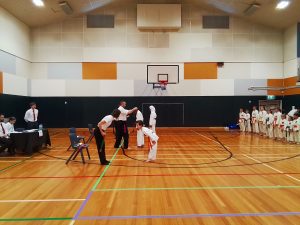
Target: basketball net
{"points": [[163, 84]]}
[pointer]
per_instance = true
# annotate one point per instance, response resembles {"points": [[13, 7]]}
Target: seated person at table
{"points": [[10, 125], [5, 141]]}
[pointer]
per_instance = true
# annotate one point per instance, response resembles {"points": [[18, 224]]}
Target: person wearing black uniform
{"points": [[100, 133], [121, 125]]}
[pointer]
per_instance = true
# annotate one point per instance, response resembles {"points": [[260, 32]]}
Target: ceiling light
{"points": [[38, 3], [282, 4]]}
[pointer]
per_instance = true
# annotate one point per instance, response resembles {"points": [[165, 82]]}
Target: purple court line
{"points": [[177, 216], [83, 205]]}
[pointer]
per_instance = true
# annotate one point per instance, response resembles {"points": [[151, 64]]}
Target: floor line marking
{"points": [[174, 216], [42, 200], [196, 188], [208, 138], [94, 187], [33, 219], [271, 167], [50, 177], [200, 174]]}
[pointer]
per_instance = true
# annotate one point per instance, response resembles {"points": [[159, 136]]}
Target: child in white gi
{"points": [[153, 138], [282, 127], [139, 134], [269, 121], [247, 121], [255, 120], [242, 120], [296, 128], [289, 130], [276, 124], [152, 120], [262, 120]]}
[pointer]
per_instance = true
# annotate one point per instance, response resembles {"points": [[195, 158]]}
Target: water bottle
{"points": [[41, 127]]}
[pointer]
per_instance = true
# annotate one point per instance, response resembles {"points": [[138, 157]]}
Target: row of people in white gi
{"points": [[273, 125]]}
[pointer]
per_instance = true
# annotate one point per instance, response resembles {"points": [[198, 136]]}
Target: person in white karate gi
{"points": [[269, 122], [296, 128], [276, 124], [282, 127], [152, 120], [242, 120], [255, 120], [247, 121], [139, 134], [153, 139], [262, 116]]}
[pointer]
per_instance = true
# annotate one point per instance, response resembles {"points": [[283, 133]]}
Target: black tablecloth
{"points": [[28, 142]]}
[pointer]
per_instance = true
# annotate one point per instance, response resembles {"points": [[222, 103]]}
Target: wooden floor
{"points": [[200, 177]]}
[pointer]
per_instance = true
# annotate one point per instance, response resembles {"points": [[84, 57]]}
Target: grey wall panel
{"points": [[64, 71], [241, 86], [7, 63]]}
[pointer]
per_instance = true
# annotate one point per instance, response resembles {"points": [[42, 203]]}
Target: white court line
{"points": [[279, 171], [43, 200], [206, 137]]}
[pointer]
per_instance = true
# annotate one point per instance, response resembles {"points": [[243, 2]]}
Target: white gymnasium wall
{"points": [[290, 51], [14, 54], [14, 85]]}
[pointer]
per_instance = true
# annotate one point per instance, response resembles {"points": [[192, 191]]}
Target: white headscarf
{"points": [[152, 108]]}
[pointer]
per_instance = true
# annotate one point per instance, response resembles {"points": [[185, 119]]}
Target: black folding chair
{"points": [[78, 148], [91, 131], [72, 130]]}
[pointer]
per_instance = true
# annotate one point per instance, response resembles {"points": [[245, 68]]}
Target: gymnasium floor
{"points": [[200, 177]]}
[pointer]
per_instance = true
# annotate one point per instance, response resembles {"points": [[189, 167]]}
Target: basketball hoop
{"points": [[163, 84]]}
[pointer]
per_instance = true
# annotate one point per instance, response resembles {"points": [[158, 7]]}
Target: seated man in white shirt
{"points": [[10, 125], [153, 138], [31, 117], [5, 141]]}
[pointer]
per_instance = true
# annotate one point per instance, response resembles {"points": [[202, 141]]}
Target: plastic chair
{"points": [[91, 131], [72, 130], [78, 147]]}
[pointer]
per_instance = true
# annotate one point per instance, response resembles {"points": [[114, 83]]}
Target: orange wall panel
{"points": [[200, 70], [1, 83], [275, 83], [291, 81], [99, 71]]}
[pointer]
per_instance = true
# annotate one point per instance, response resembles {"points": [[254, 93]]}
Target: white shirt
{"points": [[108, 120], [10, 127], [242, 115], [292, 112], [277, 118], [139, 116], [255, 113], [270, 118], [247, 116], [2, 134], [29, 115], [149, 133], [124, 113], [152, 119]]}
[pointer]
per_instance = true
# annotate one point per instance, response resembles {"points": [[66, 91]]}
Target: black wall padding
{"points": [[60, 112]]}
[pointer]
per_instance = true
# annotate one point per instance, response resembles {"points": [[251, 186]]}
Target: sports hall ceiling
{"points": [[51, 12]]}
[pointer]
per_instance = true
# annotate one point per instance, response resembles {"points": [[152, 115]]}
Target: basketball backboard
{"points": [[166, 73]]}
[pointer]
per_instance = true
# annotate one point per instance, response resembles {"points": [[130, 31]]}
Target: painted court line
{"points": [[200, 174], [196, 188], [94, 188], [34, 219], [279, 171], [177, 216], [50, 177], [208, 138], [42, 200]]}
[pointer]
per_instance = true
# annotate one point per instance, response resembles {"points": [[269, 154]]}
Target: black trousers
{"points": [[32, 125], [6, 143], [121, 132], [100, 145]]}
